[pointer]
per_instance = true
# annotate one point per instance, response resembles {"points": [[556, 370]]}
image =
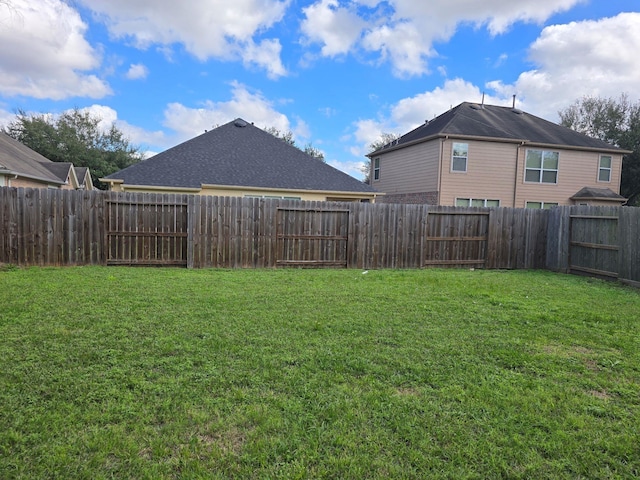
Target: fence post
{"points": [[191, 203]]}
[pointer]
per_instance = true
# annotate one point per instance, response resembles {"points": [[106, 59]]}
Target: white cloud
{"points": [[337, 28], [403, 32], [137, 71], [251, 106], [59, 60], [266, 55], [577, 59], [206, 28]]}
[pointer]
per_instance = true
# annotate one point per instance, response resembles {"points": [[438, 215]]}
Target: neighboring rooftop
{"points": [[19, 159], [238, 154], [505, 123]]}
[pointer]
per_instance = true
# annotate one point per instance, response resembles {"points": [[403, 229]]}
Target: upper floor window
{"points": [[459, 157], [542, 166], [604, 172], [376, 169]]}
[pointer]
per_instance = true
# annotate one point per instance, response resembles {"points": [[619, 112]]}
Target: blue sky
{"points": [[336, 73]]}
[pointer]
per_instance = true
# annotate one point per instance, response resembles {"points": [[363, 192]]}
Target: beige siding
{"points": [[28, 183], [575, 170], [491, 173], [409, 170], [240, 192]]}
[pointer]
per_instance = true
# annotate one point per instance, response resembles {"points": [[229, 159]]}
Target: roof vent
{"points": [[517, 110], [475, 106], [240, 123]]}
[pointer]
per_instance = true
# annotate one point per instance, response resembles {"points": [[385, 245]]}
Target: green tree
{"points": [[76, 136], [287, 137], [316, 153], [616, 121], [382, 140]]}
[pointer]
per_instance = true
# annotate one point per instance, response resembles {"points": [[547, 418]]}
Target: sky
{"points": [[335, 73]]}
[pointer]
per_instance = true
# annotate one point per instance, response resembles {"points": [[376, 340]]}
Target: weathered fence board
{"points": [[62, 227]]}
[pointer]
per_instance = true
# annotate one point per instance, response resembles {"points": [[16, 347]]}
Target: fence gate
{"points": [[593, 245], [456, 238], [312, 237], [146, 232]]}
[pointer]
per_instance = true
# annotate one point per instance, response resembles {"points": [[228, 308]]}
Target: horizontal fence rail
{"points": [[63, 227]]}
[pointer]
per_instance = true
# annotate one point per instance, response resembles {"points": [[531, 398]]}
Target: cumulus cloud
{"points": [[60, 62], [206, 28], [253, 107], [577, 59], [336, 28], [403, 32], [265, 55], [137, 71]]}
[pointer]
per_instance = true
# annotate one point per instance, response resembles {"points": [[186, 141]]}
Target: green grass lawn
{"points": [[169, 373]]}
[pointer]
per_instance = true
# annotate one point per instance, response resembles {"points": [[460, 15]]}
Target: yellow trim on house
{"points": [[241, 191]]}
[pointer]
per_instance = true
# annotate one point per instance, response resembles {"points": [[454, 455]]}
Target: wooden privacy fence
{"points": [[61, 227], [600, 241]]}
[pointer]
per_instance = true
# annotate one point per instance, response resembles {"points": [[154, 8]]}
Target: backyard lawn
{"points": [[168, 373]]}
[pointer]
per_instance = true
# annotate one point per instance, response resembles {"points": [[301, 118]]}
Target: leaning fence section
{"points": [[56, 227]]}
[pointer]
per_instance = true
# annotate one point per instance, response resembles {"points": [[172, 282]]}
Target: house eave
{"points": [[32, 177], [340, 193], [520, 141]]}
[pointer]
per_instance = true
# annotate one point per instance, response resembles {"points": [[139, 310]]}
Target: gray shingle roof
{"points": [[490, 121], [20, 159], [238, 154]]}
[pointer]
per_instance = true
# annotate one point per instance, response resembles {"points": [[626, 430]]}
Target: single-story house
{"points": [[22, 167], [486, 155], [239, 159]]}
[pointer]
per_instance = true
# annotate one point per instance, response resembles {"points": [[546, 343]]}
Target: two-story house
{"points": [[485, 155]]}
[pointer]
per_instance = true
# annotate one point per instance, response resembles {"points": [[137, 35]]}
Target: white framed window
{"points": [[278, 197], [459, 156], [476, 202], [543, 205], [376, 169], [604, 170], [541, 166]]}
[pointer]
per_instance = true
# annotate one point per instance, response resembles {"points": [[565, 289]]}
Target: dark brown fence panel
{"points": [[51, 227], [149, 229], [629, 237], [593, 241], [517, 238], [312, 237], [456, 237]]}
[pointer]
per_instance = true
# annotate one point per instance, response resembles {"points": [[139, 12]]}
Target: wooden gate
{"points": [[594, 245], [456, 238], [141, 232], [312, 237]]}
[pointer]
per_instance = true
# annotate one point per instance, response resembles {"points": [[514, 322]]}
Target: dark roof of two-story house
{"points": [[238, 154], [499, 123]]}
